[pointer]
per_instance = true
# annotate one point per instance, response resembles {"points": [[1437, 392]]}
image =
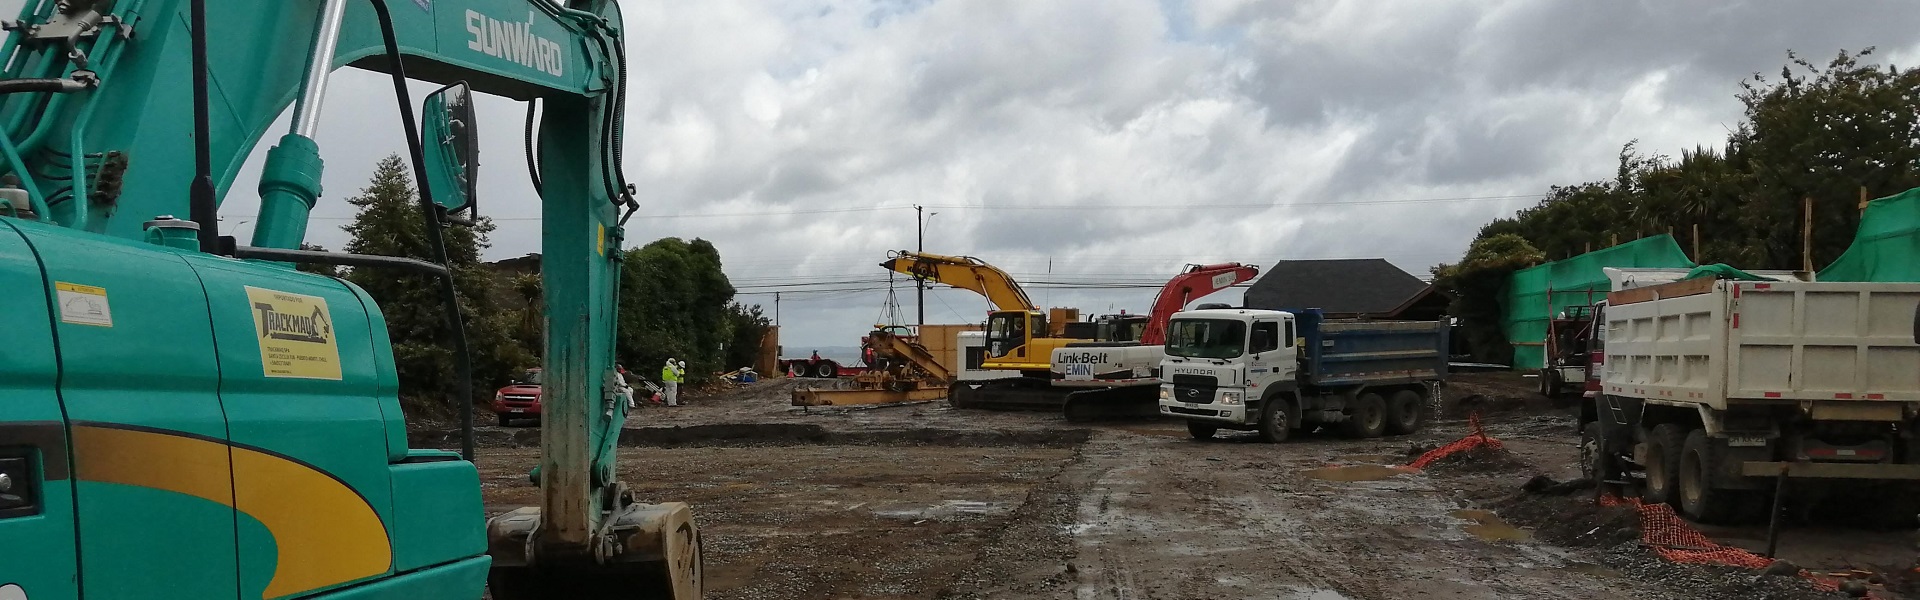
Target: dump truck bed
{"points": [[1348, 352], [1709, 341]]}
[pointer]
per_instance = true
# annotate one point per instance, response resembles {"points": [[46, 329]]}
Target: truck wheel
{"points": [[1202, 431], [1547, 386], [1664, 446], [502, 420], [1595, 461], [1367, 418], [1405, 412], [1273, 421], [1698, 498], [826, 370]]}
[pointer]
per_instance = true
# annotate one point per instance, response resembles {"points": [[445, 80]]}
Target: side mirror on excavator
{"points": [[452, 152]]}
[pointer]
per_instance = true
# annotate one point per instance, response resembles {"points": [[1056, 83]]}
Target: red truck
{"points": [[519, 400]]}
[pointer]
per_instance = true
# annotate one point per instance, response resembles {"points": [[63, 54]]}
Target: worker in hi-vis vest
{"points": [[670, 375]]}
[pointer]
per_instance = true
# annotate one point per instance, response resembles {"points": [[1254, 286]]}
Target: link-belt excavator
{"points": [[1112, 371], [184, 416]]}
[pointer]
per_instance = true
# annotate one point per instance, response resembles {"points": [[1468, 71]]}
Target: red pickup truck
{"points": [[519, 400]]}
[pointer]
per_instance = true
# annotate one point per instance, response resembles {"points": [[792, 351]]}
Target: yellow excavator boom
{"points": [[964, 272]]}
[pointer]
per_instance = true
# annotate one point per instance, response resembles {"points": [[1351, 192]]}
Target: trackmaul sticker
{"points": [[83, 304], [296, 334]]}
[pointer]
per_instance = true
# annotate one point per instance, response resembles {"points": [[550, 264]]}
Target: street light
{"points": [[920, 245]]}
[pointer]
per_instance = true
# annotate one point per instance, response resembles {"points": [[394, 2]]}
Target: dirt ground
{"points": [[925, 502]]}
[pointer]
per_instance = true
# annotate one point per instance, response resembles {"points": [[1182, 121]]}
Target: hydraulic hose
{"points": [[533, 161], [432, 215]]}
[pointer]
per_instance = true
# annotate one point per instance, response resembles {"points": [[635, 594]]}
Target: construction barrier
{"points": [[1477, 439], [1669, 536]]}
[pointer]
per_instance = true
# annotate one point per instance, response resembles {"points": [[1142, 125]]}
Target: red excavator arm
{"points": [[1199, 281]]}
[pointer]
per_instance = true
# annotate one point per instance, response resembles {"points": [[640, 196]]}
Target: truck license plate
{"points": [[1081, 372], [1747, 441], [519, 410]]}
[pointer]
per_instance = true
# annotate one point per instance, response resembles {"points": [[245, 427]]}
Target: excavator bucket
{"points": [[650, 551]]}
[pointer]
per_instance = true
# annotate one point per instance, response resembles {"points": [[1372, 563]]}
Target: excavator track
{"points": [[1115, 403], [1014, 393]]}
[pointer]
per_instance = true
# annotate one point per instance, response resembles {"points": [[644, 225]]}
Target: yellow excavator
{"points": [[1019, 337]]}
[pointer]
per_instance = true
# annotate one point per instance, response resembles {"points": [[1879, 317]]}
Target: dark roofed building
{"points": [[1361, 288]]}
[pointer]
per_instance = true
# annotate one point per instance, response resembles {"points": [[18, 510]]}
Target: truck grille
{"points": [[519, 400], [1197, 389]]}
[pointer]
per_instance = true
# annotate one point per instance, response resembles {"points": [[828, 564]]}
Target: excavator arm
{"points": [[1198, 281], [99, 101], [964, 272]]}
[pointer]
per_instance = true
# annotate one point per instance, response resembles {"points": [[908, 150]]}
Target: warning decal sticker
{"points": [[83, 304], [296, 335]]}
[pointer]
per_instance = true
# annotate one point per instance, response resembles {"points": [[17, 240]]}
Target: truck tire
{"points": [[1548, 387], [1405, 412], [1699, 500], [1664, 446], [1202, 431], [1596, 462], [1367, 418], [502, 420], [826, 370], [1273, 420]]}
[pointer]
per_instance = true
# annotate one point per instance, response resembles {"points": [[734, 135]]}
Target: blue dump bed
{"points": [[1348, 352]]}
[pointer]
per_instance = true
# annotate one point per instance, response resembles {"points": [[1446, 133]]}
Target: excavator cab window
{"points": [[1006, 331]]}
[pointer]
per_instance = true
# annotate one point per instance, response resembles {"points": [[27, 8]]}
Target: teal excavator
{"points": [[186, 416]]}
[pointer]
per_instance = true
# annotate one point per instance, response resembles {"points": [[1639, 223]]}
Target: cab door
{"points": [[37, 557]]}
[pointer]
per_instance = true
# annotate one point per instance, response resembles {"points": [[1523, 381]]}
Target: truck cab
{"points": [[1221, 363]]}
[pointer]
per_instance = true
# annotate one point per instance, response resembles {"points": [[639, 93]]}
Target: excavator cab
{"points": [[1009, 332]]}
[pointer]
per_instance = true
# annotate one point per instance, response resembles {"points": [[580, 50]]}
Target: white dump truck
{"points": [[1715, 391], [1278, 373]]}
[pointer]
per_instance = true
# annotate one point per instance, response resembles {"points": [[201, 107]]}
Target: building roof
{"points": [[1369, 287]]}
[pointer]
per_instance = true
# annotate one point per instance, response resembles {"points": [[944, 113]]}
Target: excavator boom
{"points": [[964, 272], [167, 387], [1198, 281]]}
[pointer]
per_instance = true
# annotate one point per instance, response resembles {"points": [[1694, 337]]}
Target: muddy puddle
{"points": [[1490, 527], [1357, 473]]}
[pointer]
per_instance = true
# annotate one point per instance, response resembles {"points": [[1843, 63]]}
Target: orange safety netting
{"points": [[1473, 440], [1673, 539], [1660, 529]]}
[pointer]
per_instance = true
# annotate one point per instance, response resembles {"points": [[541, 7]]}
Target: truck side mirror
{"points": [[452, 151]]}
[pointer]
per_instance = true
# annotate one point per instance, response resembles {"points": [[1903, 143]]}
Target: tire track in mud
{"points": [[1167, 518]]}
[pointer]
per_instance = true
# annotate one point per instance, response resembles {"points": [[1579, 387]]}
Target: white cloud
{"points": [[1142, 115]]}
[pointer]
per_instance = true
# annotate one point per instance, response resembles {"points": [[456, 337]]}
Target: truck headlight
{"points": [[1164, 394], [1229, 397], [499, 396]]}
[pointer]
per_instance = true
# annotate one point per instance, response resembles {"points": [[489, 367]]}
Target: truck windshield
{"points": [[531, 377], [1206, 338]]}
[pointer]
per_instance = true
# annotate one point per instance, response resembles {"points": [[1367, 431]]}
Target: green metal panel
{"points": [[437, 515], [1536, 295], [464, 580], [1887, 246], [141, 390], [327, 418], [386, 376], [38, 554]]}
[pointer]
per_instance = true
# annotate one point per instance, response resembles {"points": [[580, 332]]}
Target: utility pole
{"points": [[920, 246]]}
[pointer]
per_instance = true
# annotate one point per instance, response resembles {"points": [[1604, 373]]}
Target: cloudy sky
{"points": [[1078, 141]]}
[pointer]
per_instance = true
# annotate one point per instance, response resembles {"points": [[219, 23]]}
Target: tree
{"points": [[1820, 133], [674, 301], [389, 224], [746, 327], [1478, 285]]}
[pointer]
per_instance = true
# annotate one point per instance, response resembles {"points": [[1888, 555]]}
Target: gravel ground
{"points": [[925, 502]]}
